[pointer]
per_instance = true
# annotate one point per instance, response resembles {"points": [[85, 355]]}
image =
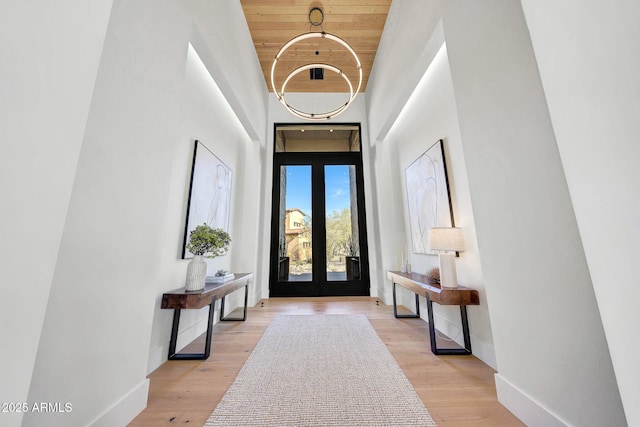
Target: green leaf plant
{"points": [[209, 242]]}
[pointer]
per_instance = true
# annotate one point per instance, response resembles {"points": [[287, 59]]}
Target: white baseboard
{"points": [[126, 409], [484, 351], [157, 357], [523, 406], [386, 296], [255, 297]]}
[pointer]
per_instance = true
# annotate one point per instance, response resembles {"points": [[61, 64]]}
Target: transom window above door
{"points": [[306, 138]]}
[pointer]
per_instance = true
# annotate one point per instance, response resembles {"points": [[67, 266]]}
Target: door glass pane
{"points": [[341, 212], [295, 254]]}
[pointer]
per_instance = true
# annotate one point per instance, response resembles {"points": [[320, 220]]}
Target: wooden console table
{"points": [[179, 300], [420, 285]]}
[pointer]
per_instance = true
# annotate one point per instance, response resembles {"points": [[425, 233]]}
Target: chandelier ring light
{"points": [[281, 95], [316, 116]]}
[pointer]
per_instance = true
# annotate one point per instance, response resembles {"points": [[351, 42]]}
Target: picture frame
{"points": [[209, 193], [428, 196]]}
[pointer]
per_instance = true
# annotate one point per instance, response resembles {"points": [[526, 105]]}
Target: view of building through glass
{"points": [[296, 255]]}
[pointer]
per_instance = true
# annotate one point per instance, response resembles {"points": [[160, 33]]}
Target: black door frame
{"points": [[319, 286]]}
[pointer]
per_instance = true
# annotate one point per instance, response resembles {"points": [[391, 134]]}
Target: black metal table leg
{"points": [[174, 336], [244, 314], [465, 332], [174, 332], [404, 316], [432, 329], [465, 328]]}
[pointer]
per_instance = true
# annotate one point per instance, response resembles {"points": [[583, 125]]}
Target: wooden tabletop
{"points": [[180, 298], [420, 284]]}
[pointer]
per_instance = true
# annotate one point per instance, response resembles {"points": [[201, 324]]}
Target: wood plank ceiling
{"points": [[275, 22]]}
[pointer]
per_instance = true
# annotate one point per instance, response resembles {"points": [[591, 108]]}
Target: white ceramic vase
{"points": [[196, 274]]}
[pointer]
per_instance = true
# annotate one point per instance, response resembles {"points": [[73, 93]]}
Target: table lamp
{"points": [[446, 241]]}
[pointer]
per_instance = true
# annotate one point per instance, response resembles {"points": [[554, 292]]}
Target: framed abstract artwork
{"points": [[209, 193], [428, 197]]}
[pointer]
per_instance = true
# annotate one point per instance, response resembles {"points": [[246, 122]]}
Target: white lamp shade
{"points": [[445, 239]]}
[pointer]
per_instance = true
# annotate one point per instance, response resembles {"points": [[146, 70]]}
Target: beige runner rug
{"points": [[325, 370]]}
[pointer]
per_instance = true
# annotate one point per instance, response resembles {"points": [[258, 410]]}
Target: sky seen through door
{"points": [[337, 188]]}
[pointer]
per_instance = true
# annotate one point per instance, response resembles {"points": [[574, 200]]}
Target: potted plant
{"points": [[208, 242], [352, 260]]}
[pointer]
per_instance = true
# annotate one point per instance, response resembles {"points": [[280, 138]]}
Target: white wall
{"points": [[224, 43], [430, 115], [589, 60], [207, 117], [49, 56], [402, 58], [553, 360], [387, 233], [120, 247], [411, 39]]}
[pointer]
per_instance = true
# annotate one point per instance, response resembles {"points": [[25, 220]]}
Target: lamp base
{"points": [[448, 278]]}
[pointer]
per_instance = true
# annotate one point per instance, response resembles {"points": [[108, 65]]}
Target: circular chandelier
{"points": [[315, 18]]}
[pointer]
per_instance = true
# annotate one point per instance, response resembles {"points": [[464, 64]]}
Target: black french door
{"points": [[318, 231]]}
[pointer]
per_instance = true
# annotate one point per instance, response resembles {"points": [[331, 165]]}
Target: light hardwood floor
{"points": [[457, 390]]}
